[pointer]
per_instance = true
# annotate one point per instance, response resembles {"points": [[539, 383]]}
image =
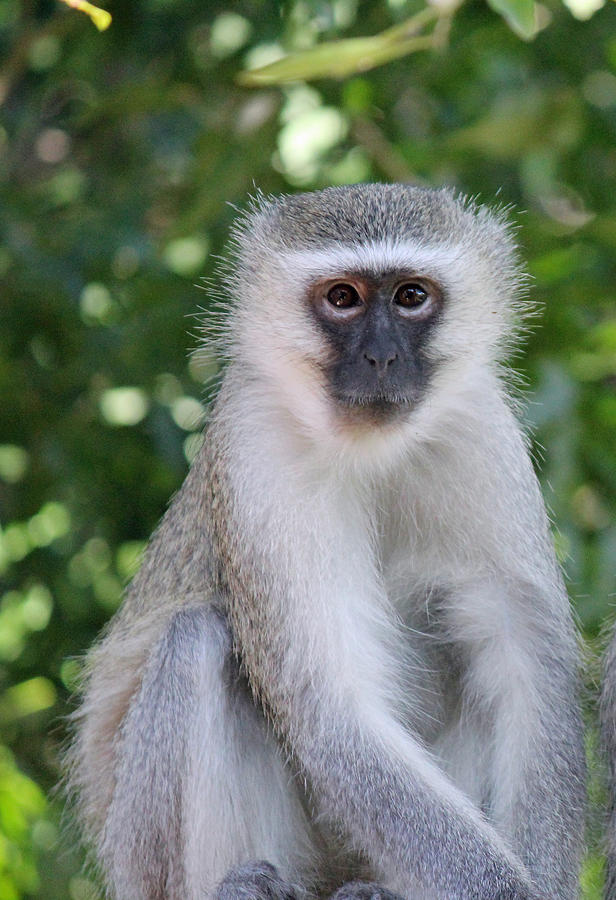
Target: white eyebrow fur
{"points": [[376, 256]]}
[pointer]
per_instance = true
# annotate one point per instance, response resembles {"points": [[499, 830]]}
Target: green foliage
{"points": [[22, 803], [341, 58], [118, 154], [519, 15]]}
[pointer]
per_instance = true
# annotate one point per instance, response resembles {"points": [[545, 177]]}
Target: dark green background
{"points": [[120, 154]]}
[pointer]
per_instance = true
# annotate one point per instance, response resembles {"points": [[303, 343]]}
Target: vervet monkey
{"points": [[347, 662], [608, 734]]}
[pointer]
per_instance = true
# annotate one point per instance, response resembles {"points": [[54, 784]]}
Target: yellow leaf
{"points": [[100, 17]]}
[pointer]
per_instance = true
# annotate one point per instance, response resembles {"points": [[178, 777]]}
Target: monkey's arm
{"points": [[507, 610], [310, 622], [522, 685], [525, 666], [608, 736]]}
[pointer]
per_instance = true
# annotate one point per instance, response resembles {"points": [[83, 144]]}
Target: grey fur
{"points": [[348, 652], [361, 890], [256, 881], [362, 212], [608, 736]]}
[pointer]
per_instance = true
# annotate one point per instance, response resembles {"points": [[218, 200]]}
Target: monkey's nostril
{"points": [[381, 364]]}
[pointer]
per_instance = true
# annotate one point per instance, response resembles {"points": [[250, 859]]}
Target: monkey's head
{"points": [[356, 307]]}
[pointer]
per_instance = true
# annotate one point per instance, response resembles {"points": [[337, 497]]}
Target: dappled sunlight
{"points": [[124, 405]]}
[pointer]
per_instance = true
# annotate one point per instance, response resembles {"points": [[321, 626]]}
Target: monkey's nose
{"points": [[381, 362]]}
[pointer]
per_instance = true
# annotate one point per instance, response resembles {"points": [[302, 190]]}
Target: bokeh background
{"points": [[122, 155]]}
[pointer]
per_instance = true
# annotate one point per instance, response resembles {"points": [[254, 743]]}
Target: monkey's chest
{"points": [[434, 672]]}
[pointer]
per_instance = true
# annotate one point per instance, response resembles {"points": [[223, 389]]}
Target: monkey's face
{"points": [[364, 315], [377, 327], [367, 344]]}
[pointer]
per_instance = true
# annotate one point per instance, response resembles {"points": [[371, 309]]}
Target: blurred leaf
{"points": [[100, 17], [593, 873], [22, 805], [27, 698], [519, 15], [339, 59]]}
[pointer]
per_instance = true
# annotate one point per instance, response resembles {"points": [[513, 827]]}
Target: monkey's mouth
{"points": [[378, 408]]}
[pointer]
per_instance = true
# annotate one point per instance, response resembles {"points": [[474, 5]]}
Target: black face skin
{"points": [[378, 328]]}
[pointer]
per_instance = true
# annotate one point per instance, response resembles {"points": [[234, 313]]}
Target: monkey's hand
{"points": [[363, 890], [257, 880], [367, 890]]}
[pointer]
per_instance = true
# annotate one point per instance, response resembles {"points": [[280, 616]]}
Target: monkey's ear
{"points": [[255, 221], [496, 233]]}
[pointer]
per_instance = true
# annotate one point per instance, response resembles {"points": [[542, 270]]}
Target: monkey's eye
{"points": [[410, 296], [343, 296]]}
